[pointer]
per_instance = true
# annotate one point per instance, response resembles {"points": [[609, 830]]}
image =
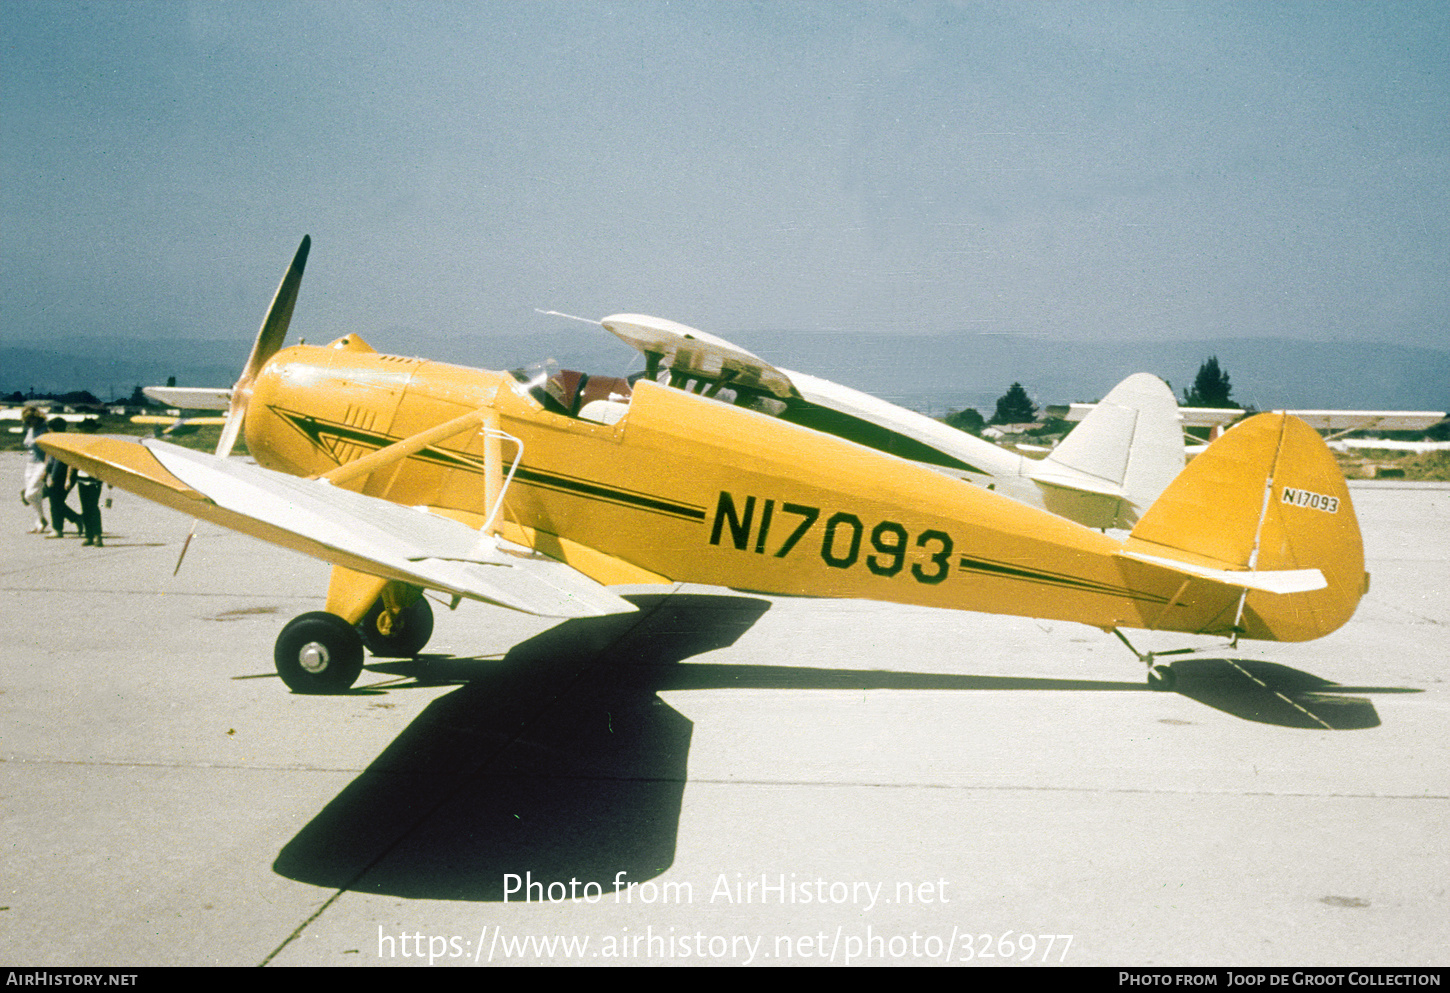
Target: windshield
{"points": [[531, 378], [575, 394], [546, 383]]}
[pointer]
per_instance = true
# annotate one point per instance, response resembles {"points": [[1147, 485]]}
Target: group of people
{"points": [[48, 478]]}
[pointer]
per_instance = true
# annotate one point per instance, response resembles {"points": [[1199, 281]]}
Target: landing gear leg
{"points": [[393, 632], [318, 652]]}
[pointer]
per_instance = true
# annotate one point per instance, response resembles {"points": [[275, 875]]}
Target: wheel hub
{"points": [[313, 657]]}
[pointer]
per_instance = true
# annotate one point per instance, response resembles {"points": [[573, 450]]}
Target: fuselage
{"points": [[685, 488]]}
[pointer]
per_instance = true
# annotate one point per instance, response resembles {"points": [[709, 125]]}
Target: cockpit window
{"points": [[605, 400], [602, 399], [531, 378]]}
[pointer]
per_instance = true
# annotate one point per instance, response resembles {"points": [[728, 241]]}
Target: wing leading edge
{"points": [[359, 532]]}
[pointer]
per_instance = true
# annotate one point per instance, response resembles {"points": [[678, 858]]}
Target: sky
{"points": [[1077, 171]]}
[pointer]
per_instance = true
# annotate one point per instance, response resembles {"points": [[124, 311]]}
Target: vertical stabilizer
{"points": [[1130, 446], [1267, 496]]}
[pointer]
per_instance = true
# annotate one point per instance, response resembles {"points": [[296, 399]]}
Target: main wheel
{"points": [[318, 652], [410, 631]]}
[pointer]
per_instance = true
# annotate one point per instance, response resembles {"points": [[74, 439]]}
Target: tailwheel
{"points": [[1161, 677], [1160, 674], [318, 652], [399, 635]]}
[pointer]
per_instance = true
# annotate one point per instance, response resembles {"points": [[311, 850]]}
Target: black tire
{"points": [[318, 652], [411, 630], [1162, 678]]}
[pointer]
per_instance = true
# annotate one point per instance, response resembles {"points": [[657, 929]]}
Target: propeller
{"points": [[269, 341]]}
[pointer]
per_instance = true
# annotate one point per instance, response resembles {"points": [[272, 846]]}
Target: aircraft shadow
{"points": [[560, 760], [1269, 693]]}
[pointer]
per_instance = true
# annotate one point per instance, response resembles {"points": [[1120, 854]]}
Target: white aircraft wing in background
{"points": [[191, 397], [1337, 421]]}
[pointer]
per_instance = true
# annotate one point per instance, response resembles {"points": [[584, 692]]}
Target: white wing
{"points": [[363, 533], [191, 397]]}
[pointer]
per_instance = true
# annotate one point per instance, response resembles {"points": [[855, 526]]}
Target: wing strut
{"points": [[400, 450], [496, 483]]}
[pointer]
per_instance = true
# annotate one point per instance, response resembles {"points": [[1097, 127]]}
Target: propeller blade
{"points": [[269, 340]]}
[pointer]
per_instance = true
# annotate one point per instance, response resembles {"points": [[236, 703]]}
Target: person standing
{"points": [[89, 487], [57, 476], [33, 422]]}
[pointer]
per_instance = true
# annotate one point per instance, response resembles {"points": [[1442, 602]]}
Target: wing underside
{"points": [[191, 398], [359, 532]]}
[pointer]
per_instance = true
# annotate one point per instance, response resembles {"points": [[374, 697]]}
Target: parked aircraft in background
{"points": [[1336, 422], [536, 489], [1104, 474], [176, 425]]}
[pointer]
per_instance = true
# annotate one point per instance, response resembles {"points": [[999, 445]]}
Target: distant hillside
{"points": [[1265, 373], [928, 372], [112, 373]]}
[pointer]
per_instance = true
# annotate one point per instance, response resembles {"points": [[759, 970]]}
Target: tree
{"points": [[968, 420], [1211, 387], [1014, 407]]}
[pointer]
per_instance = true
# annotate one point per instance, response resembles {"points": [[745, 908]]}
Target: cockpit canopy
{"points": [[602, 399]]}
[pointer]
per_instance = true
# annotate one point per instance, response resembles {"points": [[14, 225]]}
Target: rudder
{"points": [[1266, 496], [1131, 445]]}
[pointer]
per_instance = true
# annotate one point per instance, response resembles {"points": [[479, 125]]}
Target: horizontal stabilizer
{"points": [[1050, 475], [359, 532], [1276, 581]]}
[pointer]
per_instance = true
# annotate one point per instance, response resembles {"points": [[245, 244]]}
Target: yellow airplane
{"points": [[537, 489]]}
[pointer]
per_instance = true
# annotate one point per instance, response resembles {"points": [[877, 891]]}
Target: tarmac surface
{"points": [[768, 780]]}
